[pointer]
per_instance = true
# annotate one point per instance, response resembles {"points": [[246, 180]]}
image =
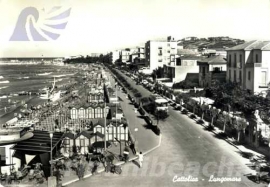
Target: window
{"points": [[240, 58], [257, 58], [240, 76], [230, 60], [168, 51], [160, 52], [234, 76], [263, 78], [216, 69], [249, 76], [235, 60]]}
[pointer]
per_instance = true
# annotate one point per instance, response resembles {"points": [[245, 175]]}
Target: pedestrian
{"points": [[140, 159], [5, 109]]}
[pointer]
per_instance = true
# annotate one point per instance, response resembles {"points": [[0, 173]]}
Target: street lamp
{"points": [[51, 136]]}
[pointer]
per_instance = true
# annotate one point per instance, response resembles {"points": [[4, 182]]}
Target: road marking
{"points": [[159, 143]]}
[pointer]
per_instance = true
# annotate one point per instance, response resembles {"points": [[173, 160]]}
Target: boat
{"points": [[51, 95]]}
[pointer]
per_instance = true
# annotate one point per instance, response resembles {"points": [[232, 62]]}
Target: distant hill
{"points": [[209, 43]]}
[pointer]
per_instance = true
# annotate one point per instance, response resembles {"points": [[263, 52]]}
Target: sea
{"points": [[19, 84]]}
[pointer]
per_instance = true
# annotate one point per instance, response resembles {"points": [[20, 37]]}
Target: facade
{"points": [[84, 140], [160, 53], [115, 129], [81, 141], [115, 56], [249, 65], [178, 71], [212, 68], [88, 111], [137, 55], [124, 55]]}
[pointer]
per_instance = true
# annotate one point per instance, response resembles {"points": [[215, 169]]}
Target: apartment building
{"points": [[160, 52], [249, 65], [115, 56], [137, 53], [124, 55]]}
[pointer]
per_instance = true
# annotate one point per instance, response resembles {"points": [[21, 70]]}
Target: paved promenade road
{"points": [[187, 151]]}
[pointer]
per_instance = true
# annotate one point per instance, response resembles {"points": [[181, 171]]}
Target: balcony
{"points": [[255, 65], [263, 85]]}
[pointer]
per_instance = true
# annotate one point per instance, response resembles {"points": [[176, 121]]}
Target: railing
{"points": [[254, 65]]}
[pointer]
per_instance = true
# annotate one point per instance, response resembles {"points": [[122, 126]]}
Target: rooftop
{"points": [[214, 60], [190, 57], [254, 44]]}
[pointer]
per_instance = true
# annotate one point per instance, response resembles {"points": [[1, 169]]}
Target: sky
{"points": [[101, 26]]}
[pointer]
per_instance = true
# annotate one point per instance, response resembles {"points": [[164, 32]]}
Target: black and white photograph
{"points": [[135, 93]]}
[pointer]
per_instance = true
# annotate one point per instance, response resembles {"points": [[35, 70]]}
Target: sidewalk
{"points": [[257, 153]]}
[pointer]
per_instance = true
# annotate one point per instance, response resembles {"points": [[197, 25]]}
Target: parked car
{"points": [[177, 107]]}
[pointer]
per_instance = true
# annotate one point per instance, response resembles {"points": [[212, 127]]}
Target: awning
{"points": [[39, 143]]}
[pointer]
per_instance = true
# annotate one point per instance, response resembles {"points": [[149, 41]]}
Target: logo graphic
{"points": [[34, 25]]}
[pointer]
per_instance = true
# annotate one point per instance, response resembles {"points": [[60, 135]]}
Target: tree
{"points": [[186, 84], [161, 115], [213, 112], [227, 119], [240, 125], [137, 95], [203, 109]]}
